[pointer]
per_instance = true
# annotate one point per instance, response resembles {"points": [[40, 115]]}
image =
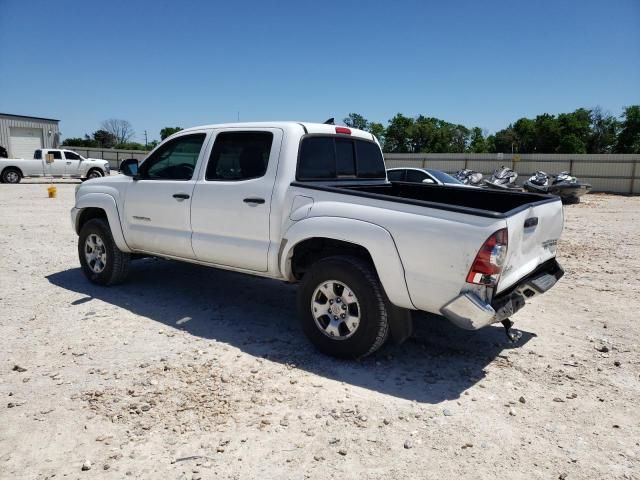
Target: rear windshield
{"points": [[333, 157]]}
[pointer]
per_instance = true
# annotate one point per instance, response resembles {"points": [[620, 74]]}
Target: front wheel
{"points": [[95, 173], [102, 261], [342, 307]]}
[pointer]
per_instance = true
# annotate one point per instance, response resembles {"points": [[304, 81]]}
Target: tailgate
{"points": [[533, 237]]}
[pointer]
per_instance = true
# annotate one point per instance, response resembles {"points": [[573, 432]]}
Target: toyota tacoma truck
{"points": [[52, 162], [311, 204]]}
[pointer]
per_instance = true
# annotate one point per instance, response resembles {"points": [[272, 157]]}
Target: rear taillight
{"points": [[489, 261]]}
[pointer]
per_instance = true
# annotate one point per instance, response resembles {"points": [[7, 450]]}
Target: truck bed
{"points": [[474, 201]]}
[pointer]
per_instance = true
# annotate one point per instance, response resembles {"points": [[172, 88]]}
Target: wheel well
{"points": [[94, 168], [90, 213], [11, 167], [309, 251]]}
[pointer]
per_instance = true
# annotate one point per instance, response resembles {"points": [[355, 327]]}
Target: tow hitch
{"points": [[512, 335]]}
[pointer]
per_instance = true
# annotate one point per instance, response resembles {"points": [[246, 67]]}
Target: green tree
{"points": [[378, 131], [574, 129], [168, 131], [80, 142], [104, 139], [505, 140], [355, 120], [398, 136], [604, 130], [477, 142], [629, 136]]}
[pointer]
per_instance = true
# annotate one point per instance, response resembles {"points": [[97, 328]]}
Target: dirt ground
{"points": [[188, 372]]}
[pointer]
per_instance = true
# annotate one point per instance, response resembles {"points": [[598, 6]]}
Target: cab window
{"points": [[239, 156], [71, 156], [175, 160], [395, 175]]}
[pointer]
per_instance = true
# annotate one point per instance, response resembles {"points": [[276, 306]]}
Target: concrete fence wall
{"points": [[114, 156], [618, 173]]}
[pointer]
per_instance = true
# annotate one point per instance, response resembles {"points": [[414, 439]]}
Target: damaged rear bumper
{"points": [[470, 312]]}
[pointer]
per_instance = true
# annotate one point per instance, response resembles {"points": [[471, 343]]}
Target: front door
{"points": [[157, 204], [232, 201], [72, 164]]}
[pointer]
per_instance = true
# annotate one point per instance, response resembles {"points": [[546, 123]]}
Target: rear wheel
{"points": [[101, 260], [342, 307], [11, 175]]}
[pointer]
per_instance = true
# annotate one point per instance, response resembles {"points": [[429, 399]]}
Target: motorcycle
{"points": [[469, 177], [503, 178], [566, 186]]}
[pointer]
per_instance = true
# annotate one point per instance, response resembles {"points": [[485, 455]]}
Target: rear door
{"points": [[533, 237], [157, 204], [232, 201]]}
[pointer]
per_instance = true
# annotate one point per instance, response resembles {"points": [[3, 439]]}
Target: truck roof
{"points": [[306, 127]]}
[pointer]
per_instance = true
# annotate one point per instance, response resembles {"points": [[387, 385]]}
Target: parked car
{"points": [[422, 175], [52, 162], [311, 204]]}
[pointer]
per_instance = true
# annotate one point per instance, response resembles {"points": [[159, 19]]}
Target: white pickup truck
{"points": [[311, 203], [52, 162]]}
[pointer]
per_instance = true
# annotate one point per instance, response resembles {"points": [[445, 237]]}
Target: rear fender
{"points": [[108, 204], [375, 239]]}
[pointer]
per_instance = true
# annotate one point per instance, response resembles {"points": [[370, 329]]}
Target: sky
{"points": [[186, 63]]}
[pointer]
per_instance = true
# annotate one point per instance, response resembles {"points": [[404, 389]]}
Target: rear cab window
{"points": [[336, 157]]}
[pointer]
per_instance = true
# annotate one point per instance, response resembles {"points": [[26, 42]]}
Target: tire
{"points": [[114, 262], [11, 175], [94, 173], [359, 278]]}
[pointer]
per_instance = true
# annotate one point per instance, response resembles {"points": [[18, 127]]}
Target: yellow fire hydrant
{"points": [[53, 191]]}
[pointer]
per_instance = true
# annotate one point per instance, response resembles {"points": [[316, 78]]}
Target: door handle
{"points": [[531, 222], [180, 196], [68, 163], [254, 200]]}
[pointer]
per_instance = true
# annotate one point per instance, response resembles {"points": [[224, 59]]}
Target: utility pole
{"points": [[145, 139]]}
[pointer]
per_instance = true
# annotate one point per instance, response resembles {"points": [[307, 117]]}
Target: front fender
{"points": [[378, 242], [108, 204]]}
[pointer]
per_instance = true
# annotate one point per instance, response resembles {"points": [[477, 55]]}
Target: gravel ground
{"points": [[189, 372]]}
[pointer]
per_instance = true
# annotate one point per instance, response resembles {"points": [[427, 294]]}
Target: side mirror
{"points": [[129, 167], [428, 180]]}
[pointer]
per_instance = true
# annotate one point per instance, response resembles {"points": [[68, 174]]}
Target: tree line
{"points": [[581, 131], [116, 133]]}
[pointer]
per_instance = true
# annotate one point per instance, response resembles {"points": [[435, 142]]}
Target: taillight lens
{"points": [[489, 261], [343, 130]]}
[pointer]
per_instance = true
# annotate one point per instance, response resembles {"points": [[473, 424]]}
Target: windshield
{"points": [[444, 177]]}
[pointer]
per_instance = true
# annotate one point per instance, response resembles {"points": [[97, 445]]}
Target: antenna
{"points": [[331, 121]]}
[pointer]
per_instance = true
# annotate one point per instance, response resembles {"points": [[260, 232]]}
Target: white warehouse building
{"points": [[20, 135]]}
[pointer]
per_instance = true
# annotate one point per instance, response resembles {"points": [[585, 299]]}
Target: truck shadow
{"points": [[259, 317]]}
